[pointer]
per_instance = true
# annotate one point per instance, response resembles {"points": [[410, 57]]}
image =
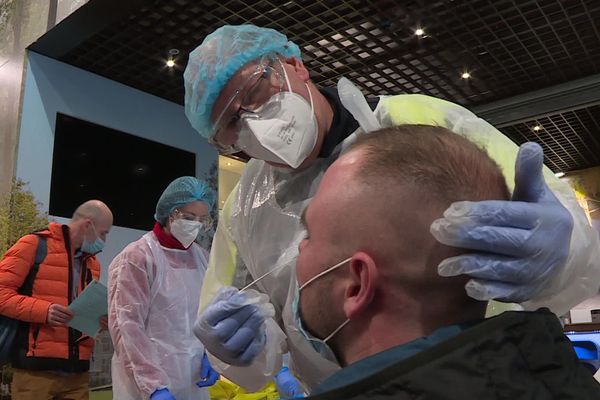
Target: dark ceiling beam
{"points": [[569, 96], [89, 19]]}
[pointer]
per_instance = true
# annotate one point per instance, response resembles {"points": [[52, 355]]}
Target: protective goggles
{"points": [[266, 80], [205, 220]]}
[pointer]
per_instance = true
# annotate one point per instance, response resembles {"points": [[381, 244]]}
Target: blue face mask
{"points": [[320, 345], [93, 247]]}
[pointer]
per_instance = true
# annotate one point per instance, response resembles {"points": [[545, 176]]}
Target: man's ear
{"points": [[361, 285], [298, 67]]}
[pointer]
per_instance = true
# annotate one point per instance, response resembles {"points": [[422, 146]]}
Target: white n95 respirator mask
{"points": [[185, 231], [283, 130]]}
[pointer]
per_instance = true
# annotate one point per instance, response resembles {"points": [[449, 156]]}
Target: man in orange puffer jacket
{"points": [[51, 360]]}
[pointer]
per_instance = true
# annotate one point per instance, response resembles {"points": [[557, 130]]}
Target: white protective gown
{"points": [[259, 230], [153, 303]]}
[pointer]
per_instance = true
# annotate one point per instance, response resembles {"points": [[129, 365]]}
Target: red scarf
{"points": [[165, 239]]}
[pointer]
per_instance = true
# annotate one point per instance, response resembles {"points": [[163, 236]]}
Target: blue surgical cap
{"points": [[222, 53], [180, 192]]}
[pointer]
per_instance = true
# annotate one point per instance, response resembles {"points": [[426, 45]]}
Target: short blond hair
{"points": [[432, 158], [411, 174]]}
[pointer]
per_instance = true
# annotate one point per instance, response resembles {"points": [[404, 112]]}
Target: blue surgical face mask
{"points": [[93, 247], [320, 345]]}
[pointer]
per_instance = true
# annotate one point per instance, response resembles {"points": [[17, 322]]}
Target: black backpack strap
{"points": [[85, 276], [40, 255]]}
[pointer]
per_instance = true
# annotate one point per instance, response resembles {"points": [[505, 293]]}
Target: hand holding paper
{"points": [[89, 307], [58, 315]]}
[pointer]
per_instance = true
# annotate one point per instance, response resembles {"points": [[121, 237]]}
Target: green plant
{"points": [[20, 214]]}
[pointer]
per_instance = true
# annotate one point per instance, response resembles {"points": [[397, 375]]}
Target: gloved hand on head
{"points": [[287, 385], [162, 394], [518, 245], [232, 327], [208, 376]]}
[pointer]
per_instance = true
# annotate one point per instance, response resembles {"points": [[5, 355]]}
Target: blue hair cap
{"points": [[222, 53], [182, 191]]}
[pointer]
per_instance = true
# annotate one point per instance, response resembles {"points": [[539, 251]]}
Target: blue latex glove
{"points": [[208, 376], [287, 385], [518, 244], [230, 329], [162, 394]]}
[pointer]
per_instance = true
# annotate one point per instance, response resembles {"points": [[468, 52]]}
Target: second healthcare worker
{"points": [[248, 90], [153, 301]]}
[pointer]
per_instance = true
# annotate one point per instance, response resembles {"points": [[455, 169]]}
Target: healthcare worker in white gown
{"points": [[153, 301]]}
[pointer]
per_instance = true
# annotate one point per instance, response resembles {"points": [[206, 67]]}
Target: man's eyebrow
{"points": [[303, 218]]}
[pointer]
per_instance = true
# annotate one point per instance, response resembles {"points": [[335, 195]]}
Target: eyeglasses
{"points": [[263, 82], [206, 220]]}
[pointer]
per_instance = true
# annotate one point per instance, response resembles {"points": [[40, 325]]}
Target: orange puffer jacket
{"points": [[39, 346]]}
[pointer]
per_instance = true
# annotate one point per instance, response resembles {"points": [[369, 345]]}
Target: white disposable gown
{"points": [[260, 230], [153, 303]]}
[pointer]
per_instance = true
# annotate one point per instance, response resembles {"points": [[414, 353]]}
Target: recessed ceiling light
{"points": [[419, 32], [170, 63], [559, 174], [537, 128], [465, 75], [228, 164]]}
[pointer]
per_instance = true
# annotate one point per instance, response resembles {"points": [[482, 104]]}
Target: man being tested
{"points": [[248, 90], [368, 280]]}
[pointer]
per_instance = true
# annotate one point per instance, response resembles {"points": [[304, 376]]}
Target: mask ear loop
{"points": [[312, 108], [94, 229], [287, 81], [339, 328], [328, 270]]}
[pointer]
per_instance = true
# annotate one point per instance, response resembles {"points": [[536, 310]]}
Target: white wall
{"points": [[52, 86]]}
